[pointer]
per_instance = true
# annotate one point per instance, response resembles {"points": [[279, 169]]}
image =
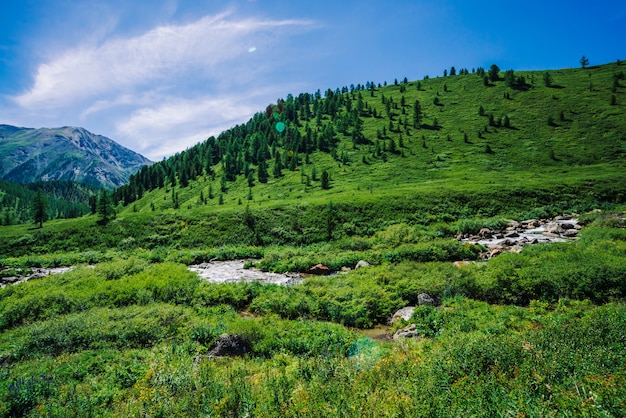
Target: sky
{"points": [[159, 76]]}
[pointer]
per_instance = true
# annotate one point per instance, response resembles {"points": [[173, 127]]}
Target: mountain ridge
{"points": [[65, 153]]}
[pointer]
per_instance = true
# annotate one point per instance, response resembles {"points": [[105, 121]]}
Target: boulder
{"points": [[407, 332], [485, 233], [511, 235], [361, 264], [530, 223], [495, 252], [425, 299], [319, 269], [404, 313], [512, 225], [10, 280], [553, 228], [570, 233], [228, 345]]}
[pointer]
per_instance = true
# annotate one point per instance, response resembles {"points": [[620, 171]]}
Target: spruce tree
{"points": [[547, 79], [417, 114], [494, 71], [40, 205], [105, 207], [325, 180], [584, 61]]}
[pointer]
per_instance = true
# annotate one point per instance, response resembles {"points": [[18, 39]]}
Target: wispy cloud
{"points": [[165, 89], [177, 123], [161, 54]]}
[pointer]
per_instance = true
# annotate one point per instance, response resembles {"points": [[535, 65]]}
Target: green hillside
{"points": [[368, 137], [514, 148], [352, 174]]}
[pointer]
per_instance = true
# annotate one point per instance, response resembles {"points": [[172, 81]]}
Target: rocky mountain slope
{"points": [[67, 153]]}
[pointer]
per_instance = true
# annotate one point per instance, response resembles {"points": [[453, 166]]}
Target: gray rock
{"points": [[425, 299], [570, 233], [554, 228], [361, 264], [407, 332], [530, 223], [404, 313], [229, 345]]}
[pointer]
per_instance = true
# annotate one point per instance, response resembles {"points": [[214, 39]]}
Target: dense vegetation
{"points": [[65, 199], [335, 180], [130, 337]]}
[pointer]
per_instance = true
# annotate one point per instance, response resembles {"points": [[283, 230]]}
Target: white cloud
{"points": [[168, 88], [163, 54], [178, 123]]}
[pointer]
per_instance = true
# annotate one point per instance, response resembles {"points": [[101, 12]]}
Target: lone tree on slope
{"points": [[40, 206], [584, 61]]}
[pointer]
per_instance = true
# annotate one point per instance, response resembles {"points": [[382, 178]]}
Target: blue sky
{"points": [[158, 76]]}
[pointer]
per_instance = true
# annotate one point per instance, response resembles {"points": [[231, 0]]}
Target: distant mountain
{"points": [[69, 153]]}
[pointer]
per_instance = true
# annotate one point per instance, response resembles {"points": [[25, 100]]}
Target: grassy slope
{"points": [[536, 169], [588, 144]]}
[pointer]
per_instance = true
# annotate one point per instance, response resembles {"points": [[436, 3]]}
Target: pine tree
{"points": [[494, 71], [325, 180], [262, 173], [547, 79], [417, 114], [105, 207], [278, 166], [40, 206], [584, 61], [223, 186]]}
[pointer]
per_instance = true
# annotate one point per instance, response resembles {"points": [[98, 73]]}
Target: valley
{"points": [[424, 180]]}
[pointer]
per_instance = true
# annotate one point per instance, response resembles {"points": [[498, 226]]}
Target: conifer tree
{"points": [[494, 71], [417, 114], [584, 61], [262, 173], [40, 206], [325, 180], [278, 166], [105, 207], [547, 79]]}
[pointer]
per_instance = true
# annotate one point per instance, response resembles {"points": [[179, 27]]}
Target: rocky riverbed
{"points": [[33, 273], [517, 235], [234, 271]]}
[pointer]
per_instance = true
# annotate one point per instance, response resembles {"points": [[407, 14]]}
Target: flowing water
{"points": [[233, 271]]}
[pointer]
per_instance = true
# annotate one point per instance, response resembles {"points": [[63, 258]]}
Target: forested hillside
{"points": [[65, 199], [462, 126]]}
